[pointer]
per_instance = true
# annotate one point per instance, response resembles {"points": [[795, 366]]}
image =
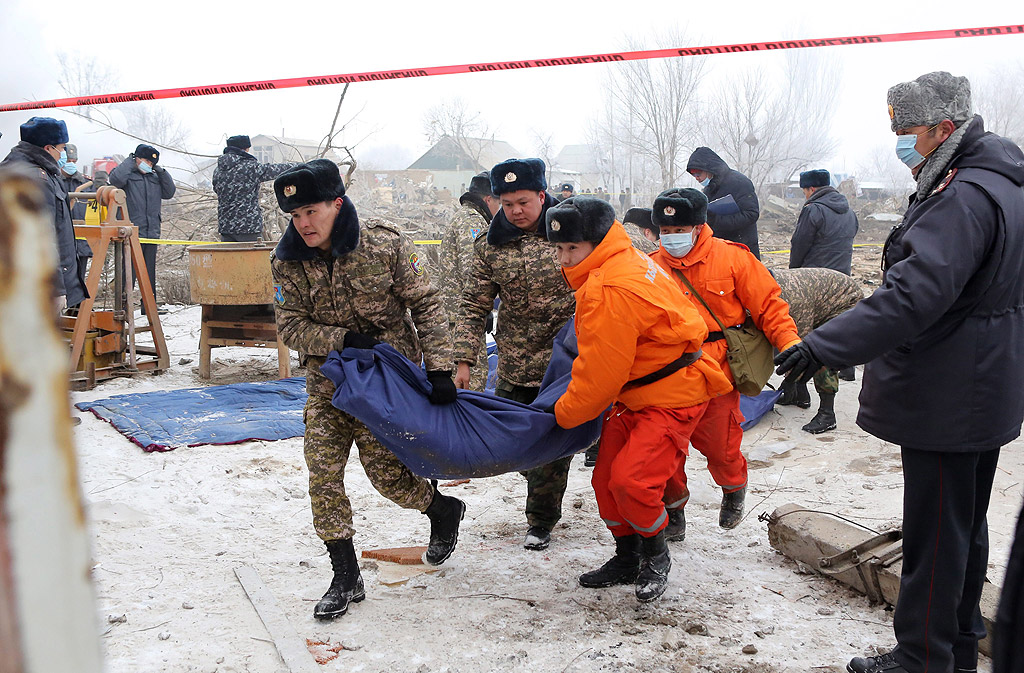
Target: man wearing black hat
{"points": [[342, 283], [824, 232], [640, 218], [513, 259], [236, 181], [477, 207], [941, 339], [145, 184], [43, 147], [567, 190], [720, 181]]}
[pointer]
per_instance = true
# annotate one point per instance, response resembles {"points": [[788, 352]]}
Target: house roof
{"points": [[578, 159], [477, 154]]}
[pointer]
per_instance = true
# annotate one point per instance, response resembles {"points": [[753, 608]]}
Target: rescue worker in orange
{"points": [[734, 284], [639, 351]]}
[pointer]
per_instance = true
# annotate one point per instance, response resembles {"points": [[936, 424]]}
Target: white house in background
{"points": [[452, 164], [269, 150]]}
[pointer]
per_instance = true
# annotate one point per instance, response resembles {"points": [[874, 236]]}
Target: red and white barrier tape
{"points": [[380, 75]]}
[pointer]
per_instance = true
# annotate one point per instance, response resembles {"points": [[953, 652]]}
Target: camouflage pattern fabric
{"points": [[380, 289], [328, 441], [236, 181], [456, 262], [640, 242], [545, 485], [815, 296], [535, 303]]}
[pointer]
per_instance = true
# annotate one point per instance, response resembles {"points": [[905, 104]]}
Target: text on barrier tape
{"points": [[380, 75]]}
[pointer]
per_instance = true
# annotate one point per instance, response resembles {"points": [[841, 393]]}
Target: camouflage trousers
{"points": [[827, 381], [478, 372], [545, 485], [328, 441]]}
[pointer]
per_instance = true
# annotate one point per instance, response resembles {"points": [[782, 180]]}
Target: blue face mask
{"points": [[678, 245], [144, 167], [705, 182], [70, 168], [906, 150], [63, 160]]}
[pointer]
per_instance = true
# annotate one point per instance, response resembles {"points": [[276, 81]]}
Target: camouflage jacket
{"points": [[236, 181], [640, 242], [536, 301], [372, 282], [816, 295], [457, 255]]}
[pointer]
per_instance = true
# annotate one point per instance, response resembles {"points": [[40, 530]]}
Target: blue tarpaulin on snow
{"points": [[754, 408], [164, 420], [479, 435]]}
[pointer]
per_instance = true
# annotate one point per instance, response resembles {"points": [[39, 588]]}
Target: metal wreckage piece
{"points": [[867, 562]]}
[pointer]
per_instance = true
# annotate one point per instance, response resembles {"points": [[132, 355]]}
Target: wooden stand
{"points": [[247, 325]]}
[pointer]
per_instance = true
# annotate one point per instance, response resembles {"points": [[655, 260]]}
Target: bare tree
{"points": [[881, 164], [659, 98], [84, 75], [768, 127], [545, 149], [453, 119], [999, 99]]}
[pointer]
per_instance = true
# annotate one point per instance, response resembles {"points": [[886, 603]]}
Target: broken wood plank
{"points": [[292, 649], [407, 556]]}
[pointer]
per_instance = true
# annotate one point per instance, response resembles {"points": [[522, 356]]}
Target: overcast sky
{"points": [[188, 43]]}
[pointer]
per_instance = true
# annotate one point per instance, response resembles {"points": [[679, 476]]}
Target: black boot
{"points": [[347, 585], [884, 663], [590, 456], [732, 508], [445, 514], [848, 374], [825, 419], [795, 394], [675, 531], [620, 569], [537, 538], [653, 578]]}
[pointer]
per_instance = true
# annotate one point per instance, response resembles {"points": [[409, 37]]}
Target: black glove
{"points": [[357, 340], [489, 322], [443, 387], [797, 363], [550, 409]]}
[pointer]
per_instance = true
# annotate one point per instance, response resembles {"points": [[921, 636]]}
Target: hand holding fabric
{"points": [[797, 363], [444, 391], [357, 340]]}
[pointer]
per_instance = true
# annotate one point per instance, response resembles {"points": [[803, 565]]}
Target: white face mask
{"points": [[678, 245]]}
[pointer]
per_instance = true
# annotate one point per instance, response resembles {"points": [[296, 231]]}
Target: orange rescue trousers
{"points": [[718, 436], [639, 452]]}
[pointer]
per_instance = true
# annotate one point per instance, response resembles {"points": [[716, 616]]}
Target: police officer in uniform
{"points": [[941, 339], [341, 283]]}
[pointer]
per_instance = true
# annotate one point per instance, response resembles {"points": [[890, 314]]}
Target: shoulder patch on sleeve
{"points": [[416, 263], [279, 294], [945, 181]]}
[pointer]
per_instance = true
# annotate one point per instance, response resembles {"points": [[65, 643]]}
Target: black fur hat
{"points": [[680, 208], [818, 177], [480, 184], [43, 131], [641, 217], [315, 181], [144, 151], [566, 187], [241, 142], [579, 218], [512, 175]]}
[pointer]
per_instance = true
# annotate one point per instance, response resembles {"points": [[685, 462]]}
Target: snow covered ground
{"points": [[169, 529]]}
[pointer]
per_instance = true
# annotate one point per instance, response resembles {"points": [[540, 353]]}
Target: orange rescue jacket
{"points": [[732, 281], [632, 320]]}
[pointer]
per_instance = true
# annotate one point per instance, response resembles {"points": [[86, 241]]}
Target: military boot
{"points": [[848, 374], [590, 456], [445, 514], [825, 419], [537, 538], [620, 569], [795, 394], [732, 508], [653, 578], [347, 585], [675, 531], [883, 663]]}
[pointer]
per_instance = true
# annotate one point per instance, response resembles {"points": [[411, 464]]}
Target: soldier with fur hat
{"points": [[342, 283], [941, 342], [145, 185], [734, 284], [476, 208], [43, 147], [511, 257], [640, 353], [825, 230]]}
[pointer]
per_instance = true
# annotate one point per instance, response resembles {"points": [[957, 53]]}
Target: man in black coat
{"points": [[236, 180], [941, 338], [74, 181], [824, 232], [145, 184], [43, 148], [719, 181]]}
